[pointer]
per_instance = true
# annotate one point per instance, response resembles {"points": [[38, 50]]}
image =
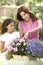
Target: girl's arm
{"points": [[2, 49], [38, 28]]}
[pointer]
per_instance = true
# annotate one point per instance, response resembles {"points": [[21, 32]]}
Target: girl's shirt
{"points": [[27, 27], [7, 38]]}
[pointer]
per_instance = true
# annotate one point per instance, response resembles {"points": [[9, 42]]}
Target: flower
{"points": [[35, 47], [9, 48], [17, 44], [32, 48], [22, 49], [15, 49], [21, 40]]}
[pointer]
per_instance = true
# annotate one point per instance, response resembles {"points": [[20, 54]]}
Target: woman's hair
{"points": [[24, 9], [6, 23]]}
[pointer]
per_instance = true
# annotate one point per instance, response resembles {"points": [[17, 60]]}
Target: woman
{"points": [[29, 28], [29, 25]]}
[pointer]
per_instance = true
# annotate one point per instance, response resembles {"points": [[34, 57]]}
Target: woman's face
{"points": [[10, 27], [25, 16]]}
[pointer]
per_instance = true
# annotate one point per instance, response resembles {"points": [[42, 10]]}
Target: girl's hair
{"points": [[6, 23], [24, 9]]}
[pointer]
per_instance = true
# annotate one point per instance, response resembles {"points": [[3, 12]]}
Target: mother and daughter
{"points": [[29, 28]]}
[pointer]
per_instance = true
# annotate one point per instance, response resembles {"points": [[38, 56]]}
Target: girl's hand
{"points": [[2, 47], [26, 35]]}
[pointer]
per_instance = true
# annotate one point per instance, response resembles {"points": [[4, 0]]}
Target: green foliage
{"points": [[9, 55], [12, 15], [19, 2]]}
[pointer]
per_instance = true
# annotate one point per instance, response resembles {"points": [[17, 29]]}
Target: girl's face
{"points": [[25, 16], [10, 27]]}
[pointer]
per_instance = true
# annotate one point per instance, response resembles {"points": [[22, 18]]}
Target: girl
{"points": [[6, 39]]}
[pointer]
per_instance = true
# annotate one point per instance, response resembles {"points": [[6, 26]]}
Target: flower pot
{"points": [[24, 60], [19, 60]]}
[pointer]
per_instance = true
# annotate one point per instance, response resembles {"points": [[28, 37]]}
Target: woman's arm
{"points": [[38, 28], [21, 33], [2, 49]]}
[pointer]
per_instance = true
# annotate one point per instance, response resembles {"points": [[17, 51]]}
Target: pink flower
{"points": [[9, 48], [21, 40], [15, 49], [24, 43], [17, 44], [22, 49]]}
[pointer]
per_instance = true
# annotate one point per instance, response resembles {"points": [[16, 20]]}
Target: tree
{"points": [[10, 2], [19, 2]]}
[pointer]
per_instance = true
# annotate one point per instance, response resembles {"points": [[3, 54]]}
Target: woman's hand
{"points": [[16, 40], [26, 35], [21, 40]]}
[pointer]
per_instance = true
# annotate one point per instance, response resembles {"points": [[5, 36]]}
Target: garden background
{"points": [[8, 8]]}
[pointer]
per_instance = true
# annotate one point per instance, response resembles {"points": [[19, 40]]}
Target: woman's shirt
{"points": [[27, 27]]}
